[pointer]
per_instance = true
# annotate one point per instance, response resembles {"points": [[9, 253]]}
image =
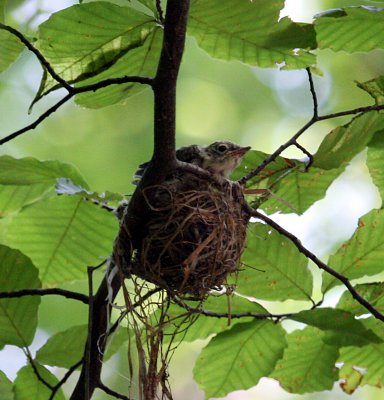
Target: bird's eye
{"points": [[222, 148]]}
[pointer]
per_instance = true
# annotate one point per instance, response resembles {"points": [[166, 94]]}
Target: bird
{"points": [[220, 158]]}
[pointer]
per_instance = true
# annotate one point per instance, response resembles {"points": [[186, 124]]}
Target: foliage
{"points": [[53, 229]]}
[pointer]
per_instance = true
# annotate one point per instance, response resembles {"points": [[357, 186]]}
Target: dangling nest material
{"points": [[195, 235]]}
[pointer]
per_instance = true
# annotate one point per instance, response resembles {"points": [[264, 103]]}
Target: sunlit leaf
{"points": [[239, 357], [341, 328], [372, 292], [375, 161], [68, 234], [5, 387], [141, 61], [10, 48], [18, 316], [273, 268], [351, 29], [375, 87], [344, 142], [64, 349], [251, 33], [308, 364], [28, 386], [86, 39], [363, 254]]}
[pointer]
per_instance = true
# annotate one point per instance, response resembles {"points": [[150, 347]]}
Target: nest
{"points": [[194, 237]]}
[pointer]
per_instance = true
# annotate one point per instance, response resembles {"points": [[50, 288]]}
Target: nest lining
{"points": [[194, 237]]}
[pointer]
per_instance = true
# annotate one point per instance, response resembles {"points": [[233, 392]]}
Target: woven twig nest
{"points": [[195, 234]]}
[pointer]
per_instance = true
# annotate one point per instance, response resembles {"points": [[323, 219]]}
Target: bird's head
{"points": [[223, 157]]}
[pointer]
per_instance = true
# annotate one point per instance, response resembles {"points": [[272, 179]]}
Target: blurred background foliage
{"points": [[216, 100]]}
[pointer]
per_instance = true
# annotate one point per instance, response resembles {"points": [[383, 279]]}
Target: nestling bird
{"points": [[220, 158]]}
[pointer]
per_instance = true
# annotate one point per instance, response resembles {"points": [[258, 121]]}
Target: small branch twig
{"points": [[313, 93], [318, 262], [111, 392], [45, 292], [64, 379]]}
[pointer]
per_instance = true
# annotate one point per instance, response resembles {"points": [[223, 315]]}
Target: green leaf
{"points": [[64, 349], [363, 254], [30, 171], [18, 316], [28, 386], [273, 267], [239, 357], [344, 142], [341, 326], [10, 49], [300, 189], [375, 87], [68, 234], [372, 292], [375, 162], [251, 33], [308, 364], [86, 39], [5, 387], [142, 61], [363, 365], [351, 29]]}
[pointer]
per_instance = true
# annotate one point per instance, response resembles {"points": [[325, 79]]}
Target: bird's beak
{"points": [[241, 151]]}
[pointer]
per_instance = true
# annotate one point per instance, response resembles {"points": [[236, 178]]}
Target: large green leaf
{"points": [[375, 161], [10, 48], [68, 234], [363, 254], [30, 171], [351, 29], [250, 32], [239, 357], [375, 87], [273, 267], [141, 61], [372, 292], [5, 387], [86, 39], [342, 329], [65, 348], [300, 189], [344, 142], [28, 386], [308, 364], [18, 316]]}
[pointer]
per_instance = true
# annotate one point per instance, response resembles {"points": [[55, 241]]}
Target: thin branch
{"points": [[39, 56], [160, 10], [45, 292], [64, 379], [318, 262], [313, 93], [36, 371], [111, 392], [144, 80]]}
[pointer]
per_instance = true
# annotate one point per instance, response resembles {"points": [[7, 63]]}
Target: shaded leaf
{"points": [[68, 234], [273, 267], [28, 386], [239, 357], [308, 364], [351, 29], [375, 162], [342, 329], [30, 171], [86, 39], [372, 292], [64, 349], [5, 387], [18, 316], [10, 49], [142, 61], [362, 255], [251, 33], [375, 87], [344, 142]]}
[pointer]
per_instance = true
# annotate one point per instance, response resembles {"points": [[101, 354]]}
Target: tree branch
{"points": [[318, 262], [45, 292], [111, 392]]}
